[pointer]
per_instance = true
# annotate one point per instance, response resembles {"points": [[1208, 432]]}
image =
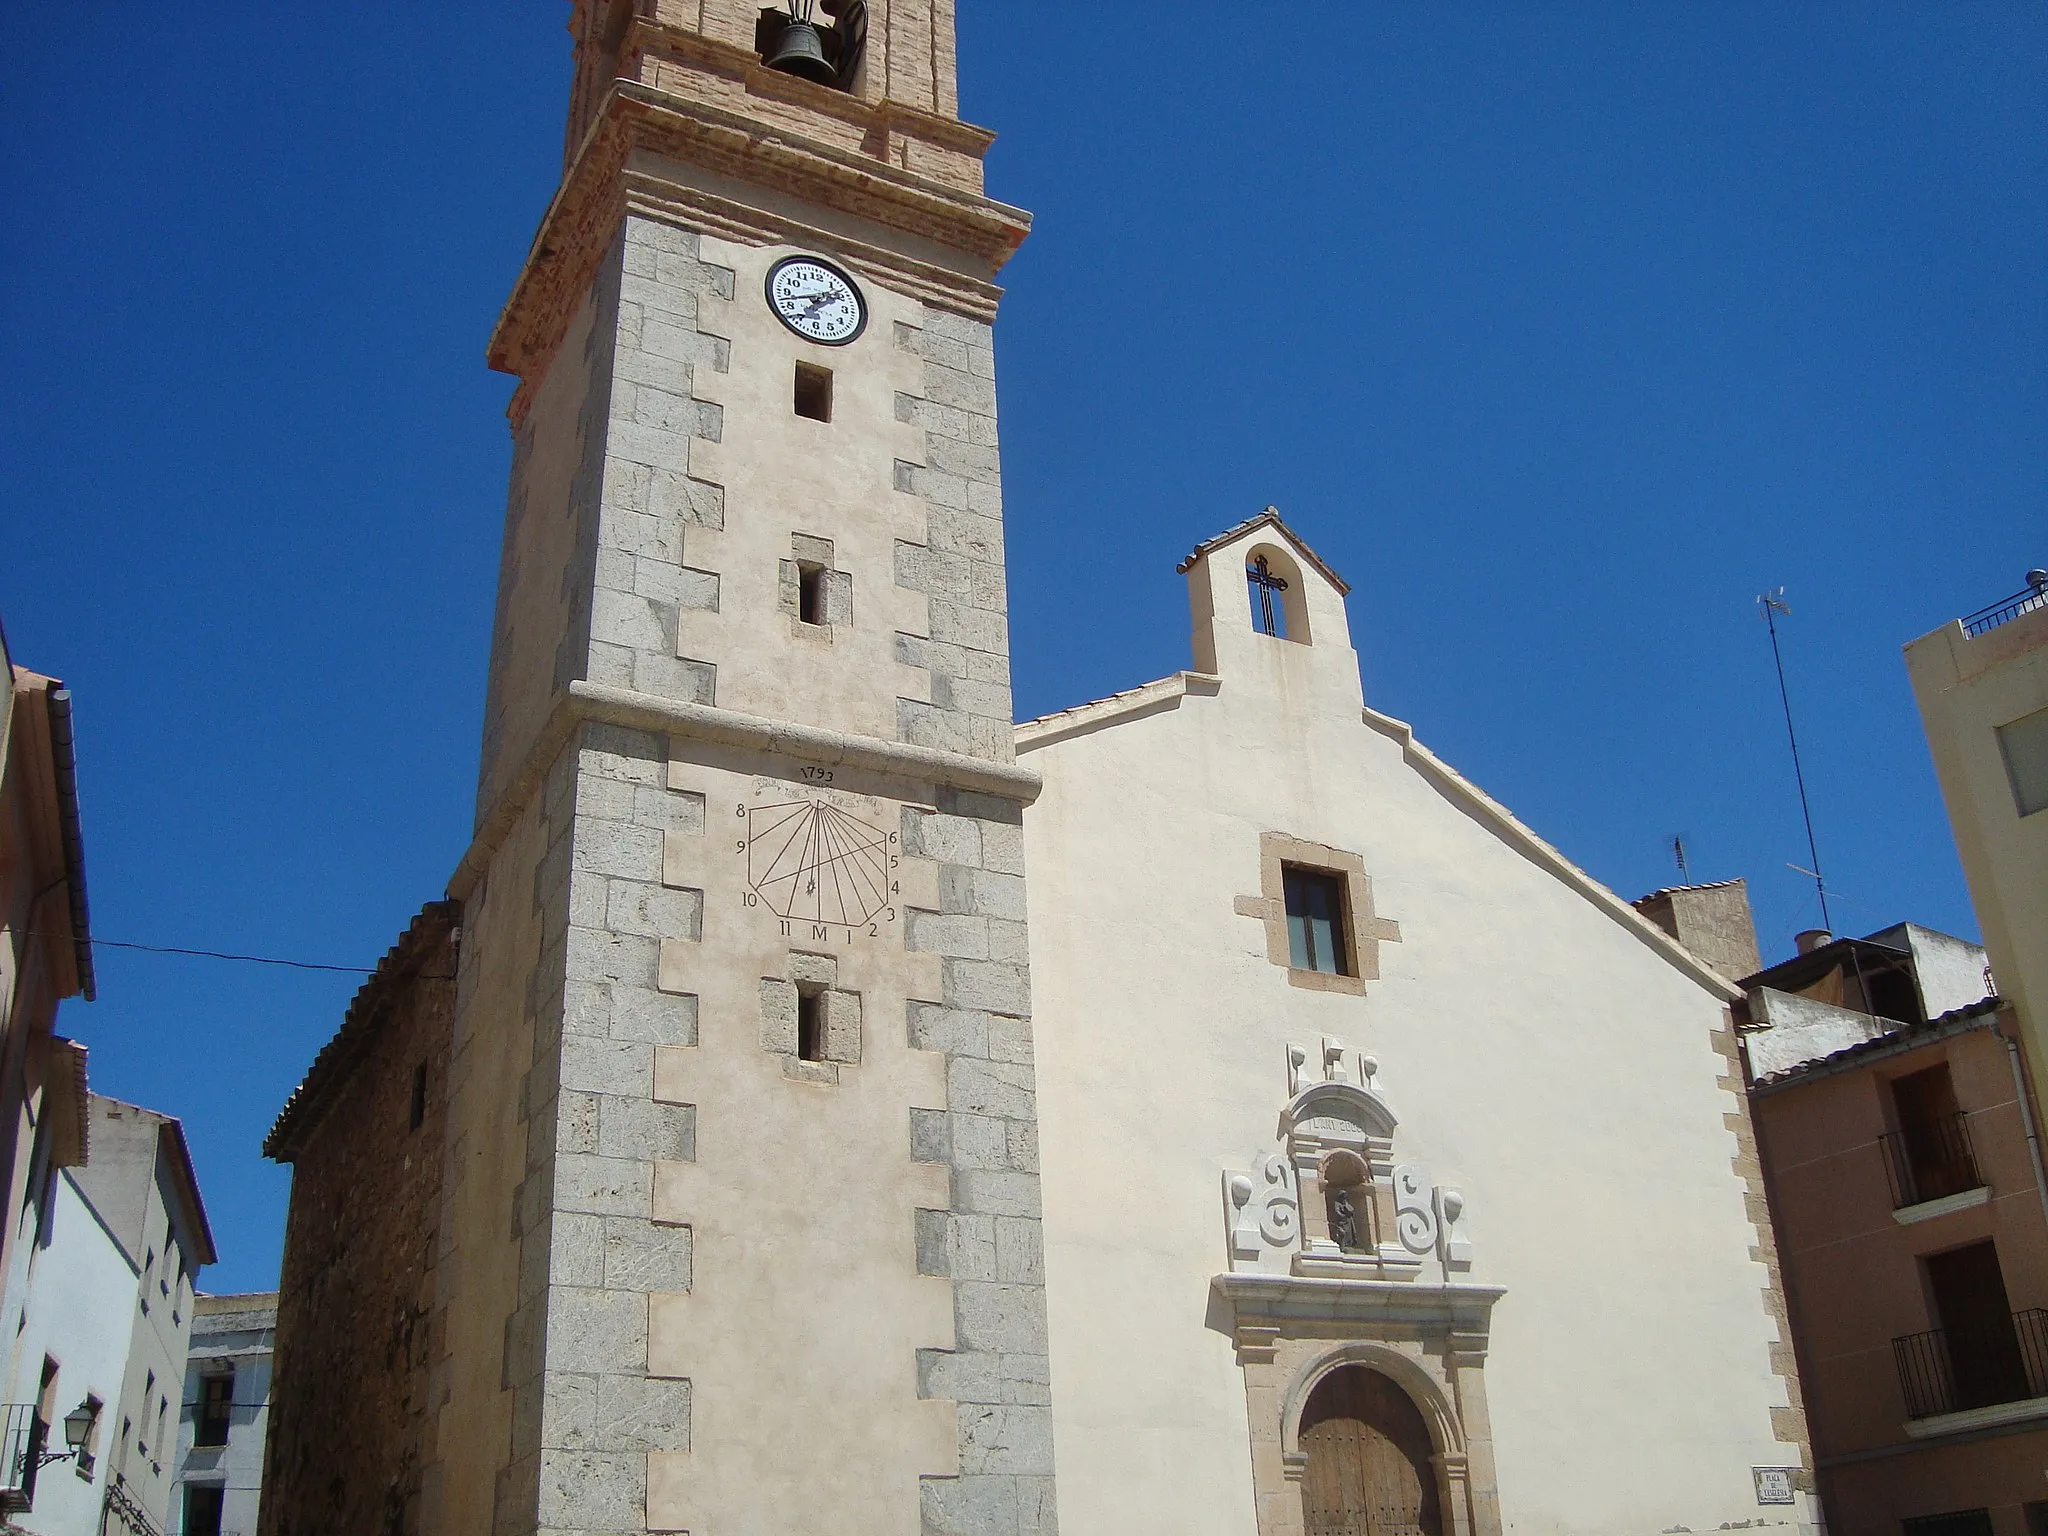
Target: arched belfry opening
{"points": [[1369, 1457], [1278, 602]]}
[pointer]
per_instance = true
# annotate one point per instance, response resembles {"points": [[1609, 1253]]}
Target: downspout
{"points": [[2019, 1084]]}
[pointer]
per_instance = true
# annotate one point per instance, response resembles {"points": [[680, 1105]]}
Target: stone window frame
{"points": [[809, 550], [1364, 929], [842, 1041]]}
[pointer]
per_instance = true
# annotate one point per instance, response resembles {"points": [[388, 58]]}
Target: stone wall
{"points": [[350, 1430], [662, 1144]]}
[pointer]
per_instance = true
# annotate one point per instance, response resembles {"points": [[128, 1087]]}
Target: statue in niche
{"points": [[1344, 1224]]}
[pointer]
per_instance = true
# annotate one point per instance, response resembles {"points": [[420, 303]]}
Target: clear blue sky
{"points": [[1560, 330]]}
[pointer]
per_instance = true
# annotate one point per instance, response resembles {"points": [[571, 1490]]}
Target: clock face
{"points": [[818, 302]]}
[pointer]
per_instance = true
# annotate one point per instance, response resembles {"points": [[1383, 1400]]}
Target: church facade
{"points": [[1394, 1173], [1357, 1081]]}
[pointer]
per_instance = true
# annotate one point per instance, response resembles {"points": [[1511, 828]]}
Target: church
{"points": [[818, 1103]]}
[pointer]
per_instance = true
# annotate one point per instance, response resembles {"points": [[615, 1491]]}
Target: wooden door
{"points": [[1369, 1471]]}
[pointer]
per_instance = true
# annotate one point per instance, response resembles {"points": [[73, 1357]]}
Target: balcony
{"points": [[1930, 1161], [23, 1434], [1989, 1363], [1984, 620]]}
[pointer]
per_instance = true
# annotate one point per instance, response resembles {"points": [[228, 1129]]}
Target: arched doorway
{"points": [[1368, 1451]]}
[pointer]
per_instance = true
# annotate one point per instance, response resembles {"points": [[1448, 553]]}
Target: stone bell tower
{"points": [[740, 1228]]}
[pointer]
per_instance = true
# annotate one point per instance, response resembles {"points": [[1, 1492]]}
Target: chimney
{"points": [[1810, 939]]}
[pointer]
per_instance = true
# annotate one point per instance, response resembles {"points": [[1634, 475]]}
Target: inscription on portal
{"points": [[825, 868]]}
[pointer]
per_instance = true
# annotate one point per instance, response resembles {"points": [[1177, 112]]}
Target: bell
{"points": [[801, 51]]}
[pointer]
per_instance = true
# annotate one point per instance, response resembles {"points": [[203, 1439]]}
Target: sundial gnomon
{"points": [[812, 861]]}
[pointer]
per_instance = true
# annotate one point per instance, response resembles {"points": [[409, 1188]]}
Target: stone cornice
{"points": [[716, 57], [703, 723], [1303, 1299], [598, 187]]}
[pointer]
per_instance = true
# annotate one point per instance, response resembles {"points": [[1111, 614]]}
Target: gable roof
{"points": [[1524, 839], [1270, 518], [1982, 1014], [360, 1027]]}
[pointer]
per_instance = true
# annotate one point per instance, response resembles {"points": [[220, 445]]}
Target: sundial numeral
{"points": [[812, 862]]}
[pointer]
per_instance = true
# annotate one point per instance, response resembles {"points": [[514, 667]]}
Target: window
{"points": [[1269, 607], [419, 1095], [1978, 1328], [810, 1023], [148, 1277], [814, 392], [1929, 1155], [88, 1453], [216, 1410], [1315, 920], [203, 1509], [2025, 745], [810, 602]]}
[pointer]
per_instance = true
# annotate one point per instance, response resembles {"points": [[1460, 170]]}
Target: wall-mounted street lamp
{"points": [[77, 1426]]}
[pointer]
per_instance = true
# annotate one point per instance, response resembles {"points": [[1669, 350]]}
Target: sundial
{"points": [[810, 861]]}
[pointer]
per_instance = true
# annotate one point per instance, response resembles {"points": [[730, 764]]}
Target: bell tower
{"points": [[740, 1223]]}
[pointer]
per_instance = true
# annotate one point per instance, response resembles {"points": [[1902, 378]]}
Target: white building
{"points": [[227, 1412], [1346, 1078], [101, 1312]]}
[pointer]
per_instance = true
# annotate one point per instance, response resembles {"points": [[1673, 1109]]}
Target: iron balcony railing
{"points": [[1986, 619], [1992, 1360], [23, 1434], [1929, 1160], [123, 1511]]}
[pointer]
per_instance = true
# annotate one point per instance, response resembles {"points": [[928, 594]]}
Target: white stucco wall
{"points": [[80, 1298], [1967, 688], [237, 1333], [1545, 1055]]}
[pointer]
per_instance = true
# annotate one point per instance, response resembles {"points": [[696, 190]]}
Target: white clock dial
{"points": [[818, 302]]}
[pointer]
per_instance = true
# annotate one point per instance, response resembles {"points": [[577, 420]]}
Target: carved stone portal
{"points": [[1340, 1256]]}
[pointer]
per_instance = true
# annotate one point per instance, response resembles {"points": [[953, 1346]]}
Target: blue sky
{"points": [[1561, 330]]}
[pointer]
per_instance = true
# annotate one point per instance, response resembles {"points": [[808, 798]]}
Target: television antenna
{"points": [[1771, 605]]}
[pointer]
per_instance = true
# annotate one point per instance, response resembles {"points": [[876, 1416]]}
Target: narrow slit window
{"points": [[1315, 921], [419, 1095], [814, 391], [810, 1024], [810, 593]]}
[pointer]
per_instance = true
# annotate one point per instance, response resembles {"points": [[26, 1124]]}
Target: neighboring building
{"points": [[364, 1136], [226, 1414], [710, 1202], [1712, 921], [1982, 686], [113, 1246], [1900, 1145], [45, 936]]}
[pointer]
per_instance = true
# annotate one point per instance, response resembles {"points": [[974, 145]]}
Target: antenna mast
{"points": [[1772, 604]]}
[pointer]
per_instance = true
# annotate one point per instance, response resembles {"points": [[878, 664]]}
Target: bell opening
{"points": [[799, 49]]}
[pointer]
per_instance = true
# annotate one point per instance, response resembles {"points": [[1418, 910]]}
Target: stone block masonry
{"points": [[666, 1141], [356, 1339], [988, 1244]]}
